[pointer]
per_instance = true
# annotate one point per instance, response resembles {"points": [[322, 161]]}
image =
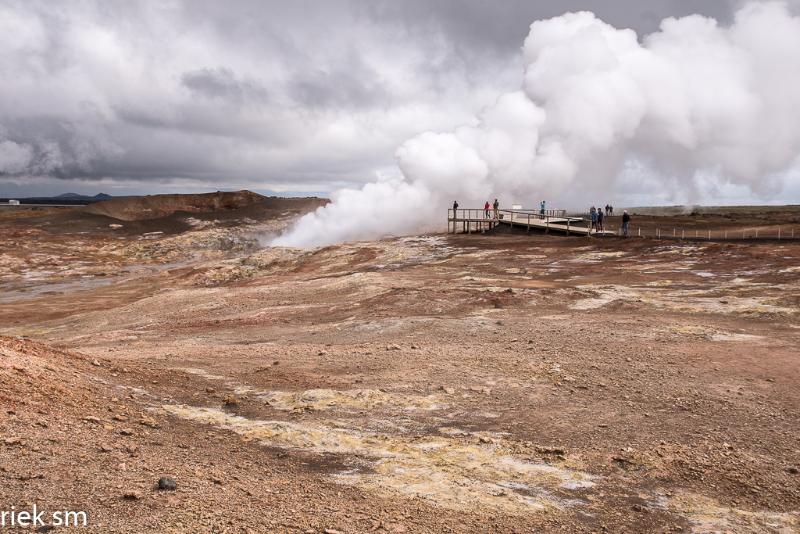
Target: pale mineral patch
{"points": [[447, 472]]}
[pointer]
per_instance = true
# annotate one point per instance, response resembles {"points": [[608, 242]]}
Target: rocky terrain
{"points": [[436, 383]]}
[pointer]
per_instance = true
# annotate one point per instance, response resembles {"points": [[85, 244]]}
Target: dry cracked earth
{"points": [[436, 383]]}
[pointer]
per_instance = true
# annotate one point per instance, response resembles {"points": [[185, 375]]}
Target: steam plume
{"points": [[693, 103]]}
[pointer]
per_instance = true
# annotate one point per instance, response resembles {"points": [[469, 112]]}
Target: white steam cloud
{"points": [[694, 102]]}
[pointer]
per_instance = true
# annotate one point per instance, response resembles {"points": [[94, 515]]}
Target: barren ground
{"points": [[438, 383]]}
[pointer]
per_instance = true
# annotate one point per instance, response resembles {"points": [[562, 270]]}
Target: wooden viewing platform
{"points": [[551, 221]]}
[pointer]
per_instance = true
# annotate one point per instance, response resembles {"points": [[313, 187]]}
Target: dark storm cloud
{"points": [[286, 95], [349, 85], [481, 26]]}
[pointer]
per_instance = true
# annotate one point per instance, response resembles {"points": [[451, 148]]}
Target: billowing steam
{"points": [[690, 103]]}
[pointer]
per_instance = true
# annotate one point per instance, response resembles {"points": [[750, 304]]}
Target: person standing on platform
{"points": [[486, 210], [599, 220], [626, 222], [592, 219], [496, 207]]}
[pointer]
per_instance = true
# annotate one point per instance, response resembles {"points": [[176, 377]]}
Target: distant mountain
{"points": [[68, 199], [76, 196]]}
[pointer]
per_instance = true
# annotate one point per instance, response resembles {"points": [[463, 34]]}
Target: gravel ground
{"points": [[437, 383]]}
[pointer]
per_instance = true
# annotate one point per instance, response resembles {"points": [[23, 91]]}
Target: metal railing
{"points": [[520, 214], [483, 219], [475, 214], [480, 220], [732, 234]]}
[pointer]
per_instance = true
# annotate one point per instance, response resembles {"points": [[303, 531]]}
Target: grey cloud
{"points": [[349, 85], [53, 147], [221, 83], [253, 91]]}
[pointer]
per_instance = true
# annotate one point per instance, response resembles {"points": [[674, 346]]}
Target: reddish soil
{"points": [[440, 383]]}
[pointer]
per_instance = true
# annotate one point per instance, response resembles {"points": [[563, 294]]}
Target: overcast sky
{"points": [[291, 97]]}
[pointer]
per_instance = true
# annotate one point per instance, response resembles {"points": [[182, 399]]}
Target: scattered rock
{"points": [[132, 496], [167, 484], [146, 421], [557, 451]]}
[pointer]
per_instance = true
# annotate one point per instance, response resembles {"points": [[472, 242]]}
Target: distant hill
{"points": [[156, 206], [76, 196], [71, 199]]}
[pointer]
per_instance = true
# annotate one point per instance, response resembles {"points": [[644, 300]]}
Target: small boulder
{"points": [[167, 484]]}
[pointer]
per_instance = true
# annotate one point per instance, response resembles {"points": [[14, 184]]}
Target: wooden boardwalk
{"points": [[475, 220]]}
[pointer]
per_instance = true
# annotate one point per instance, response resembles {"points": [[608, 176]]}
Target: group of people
{"points": [[492, 210], [597, 216], [495, 207]]}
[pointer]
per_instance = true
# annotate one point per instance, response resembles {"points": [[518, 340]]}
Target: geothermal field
{"points": [[164, 370]]}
